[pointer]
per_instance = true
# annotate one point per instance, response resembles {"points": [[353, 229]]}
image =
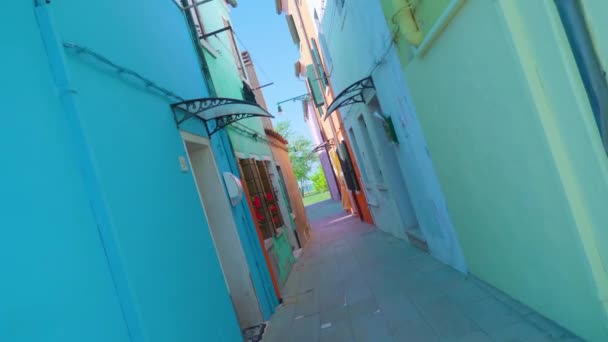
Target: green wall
{"points": [[512, 136], [227, 81]]}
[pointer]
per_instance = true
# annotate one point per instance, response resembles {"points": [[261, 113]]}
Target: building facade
{"points": [[311, 67], [388, 144], [256, 163], [111, 221], [286, 178], [511, 97]]}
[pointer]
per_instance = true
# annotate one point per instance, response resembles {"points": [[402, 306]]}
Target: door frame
{"points": [[247, 313]]}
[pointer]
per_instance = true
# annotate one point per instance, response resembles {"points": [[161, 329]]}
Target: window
{"points": [[317, 60], [348, 170], [293, 29], [196, 19], [248, 94], [235, 50], [313, 84], [317, 21], [284, 188], [263, 196], [368, 152], [340, 4], [355, 143], [272, 196], [325, 52]]}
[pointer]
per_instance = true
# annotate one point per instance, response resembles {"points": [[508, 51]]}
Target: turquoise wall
{"points": [[56, 283], [226, 78], [172, 273], [512, 135]]}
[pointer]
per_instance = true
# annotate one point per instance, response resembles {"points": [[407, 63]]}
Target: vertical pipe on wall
{"points": [[594, 79], [88, 170], [405, 20]]}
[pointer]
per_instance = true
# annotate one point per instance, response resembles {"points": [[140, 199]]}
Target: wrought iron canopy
{"points": [[319, 148], [216, 113], [351, 95]]}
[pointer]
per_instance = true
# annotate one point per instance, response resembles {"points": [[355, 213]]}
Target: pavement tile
{"points": [[547, 326], [399, 311], [466, 293], [517, 332], [490, 314], [357, 291], [337, 332], [356, 283], [425, 263], [447, 319], [364, 307], [371, 328], [415, 331], [280, 323], [335, 315], [476, 336], [306, 329], [307, 303]]}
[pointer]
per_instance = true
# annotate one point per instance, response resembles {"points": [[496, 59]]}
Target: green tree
{"points": [[319, 182], [284, 128], [299, 152]]}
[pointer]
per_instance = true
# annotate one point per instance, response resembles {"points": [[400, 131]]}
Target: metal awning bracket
{"points": [[216, 113], [359, 92], [216, 32]]}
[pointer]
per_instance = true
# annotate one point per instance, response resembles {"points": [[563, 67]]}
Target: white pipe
{"points": [[439, 26]]}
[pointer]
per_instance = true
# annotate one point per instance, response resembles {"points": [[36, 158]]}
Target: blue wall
{"points": [[56, 284], [60, 286]]}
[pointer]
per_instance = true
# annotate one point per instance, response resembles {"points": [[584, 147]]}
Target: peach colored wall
{"points": [[333, 126], [281, 156]]}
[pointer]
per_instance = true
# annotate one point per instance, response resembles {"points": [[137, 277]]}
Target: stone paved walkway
{"points": [[356, 283]]}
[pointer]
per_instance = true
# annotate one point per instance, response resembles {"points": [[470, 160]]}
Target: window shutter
{"points": [[317, 59], [293, 29], [313, 83], [325, 51]]}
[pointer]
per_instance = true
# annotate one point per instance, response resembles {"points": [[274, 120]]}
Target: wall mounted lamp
{"points": [[303, 97]]}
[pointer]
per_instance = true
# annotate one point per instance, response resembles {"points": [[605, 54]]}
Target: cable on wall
{"points": [[78, 49]]}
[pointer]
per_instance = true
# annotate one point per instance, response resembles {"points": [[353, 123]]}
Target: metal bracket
{"points": [[186, 110], [205, 36], [351, 95]]}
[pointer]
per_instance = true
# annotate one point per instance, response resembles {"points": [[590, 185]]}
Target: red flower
{"points": [[259, 216], [269, 196], [256, 202]]}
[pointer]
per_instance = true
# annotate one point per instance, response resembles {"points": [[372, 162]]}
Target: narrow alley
{"points": [[356, 283], [304, 170]]}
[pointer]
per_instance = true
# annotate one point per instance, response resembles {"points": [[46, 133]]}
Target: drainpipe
{"points": [[88, 170], [405, 19], [589, 66]]}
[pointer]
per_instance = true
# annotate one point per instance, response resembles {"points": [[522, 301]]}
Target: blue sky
{"points": [[265, 35]]}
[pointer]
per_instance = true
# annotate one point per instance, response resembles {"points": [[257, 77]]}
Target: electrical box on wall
{"points": [[234, 188], [183, 164], [389, 128]]}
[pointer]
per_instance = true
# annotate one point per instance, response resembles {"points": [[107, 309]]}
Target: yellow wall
{"points": [[512, 136]]}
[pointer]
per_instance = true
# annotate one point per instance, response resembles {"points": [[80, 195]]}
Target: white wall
{"points": [[359, 42]]}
